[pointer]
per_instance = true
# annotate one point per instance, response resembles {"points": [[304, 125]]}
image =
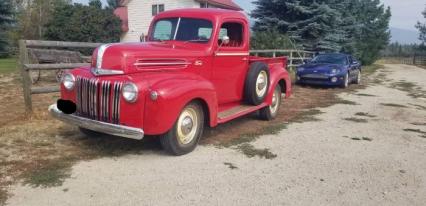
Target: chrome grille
{"points": [[98, 100]]}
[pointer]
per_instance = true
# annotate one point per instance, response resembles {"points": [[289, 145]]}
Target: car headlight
{"points": [[68, 80], [130, 92], [335, 71]]}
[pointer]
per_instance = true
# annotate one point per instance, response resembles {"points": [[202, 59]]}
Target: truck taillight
{"points": [[94, 58]]}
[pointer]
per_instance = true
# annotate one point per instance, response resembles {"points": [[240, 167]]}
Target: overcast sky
{"points": [[405, 13]]}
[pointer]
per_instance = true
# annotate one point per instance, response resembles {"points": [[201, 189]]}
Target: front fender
{"points": [[173, 95]]}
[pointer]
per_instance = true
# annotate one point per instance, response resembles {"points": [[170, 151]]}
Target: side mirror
{"points": [[225, 40], [355, 62]]}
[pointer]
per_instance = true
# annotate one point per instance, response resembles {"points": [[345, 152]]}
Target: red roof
{"points": [[121, 12]]}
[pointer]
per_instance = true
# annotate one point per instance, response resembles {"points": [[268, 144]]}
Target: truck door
{"points": [[230, 61]]}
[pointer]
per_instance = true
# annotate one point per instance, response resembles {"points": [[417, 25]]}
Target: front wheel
{"points": [[345, 81], [183, 137], [270, 112]]}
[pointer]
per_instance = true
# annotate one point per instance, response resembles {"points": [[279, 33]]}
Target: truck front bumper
{"points": [[98, 126]]}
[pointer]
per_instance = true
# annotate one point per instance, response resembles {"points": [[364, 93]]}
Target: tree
{"points": [[6, 14], [360, 27], [313, 24], [271, 39], [113, 4], [84, 23], [422, 29], [372, 29], [32, 17]]}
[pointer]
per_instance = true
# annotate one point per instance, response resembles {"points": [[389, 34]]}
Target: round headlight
{"points": [[68, 80], [130, 92]]}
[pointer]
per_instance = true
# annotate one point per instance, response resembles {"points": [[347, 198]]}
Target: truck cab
{"points": [[194, 70]]}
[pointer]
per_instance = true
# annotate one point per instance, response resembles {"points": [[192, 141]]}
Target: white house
{"points": [[136, 15]]}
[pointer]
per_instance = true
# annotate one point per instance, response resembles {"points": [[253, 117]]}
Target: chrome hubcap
{"points": [[275, 102], [261, 83], [187, 126]]}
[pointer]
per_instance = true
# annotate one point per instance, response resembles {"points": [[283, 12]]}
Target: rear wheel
{"points": [[183, 137], [270, 112], [257, 83], [358, 77]]}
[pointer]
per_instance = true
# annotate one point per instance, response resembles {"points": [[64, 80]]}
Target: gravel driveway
{"points": [[369, 153]]}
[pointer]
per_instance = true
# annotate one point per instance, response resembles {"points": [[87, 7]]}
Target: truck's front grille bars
{"points": [[98, 100]]}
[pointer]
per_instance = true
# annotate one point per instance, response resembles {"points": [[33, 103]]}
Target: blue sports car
{"points": [[332, 69]]}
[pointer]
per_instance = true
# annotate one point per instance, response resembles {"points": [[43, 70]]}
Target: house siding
{"points": [[140, 15]]}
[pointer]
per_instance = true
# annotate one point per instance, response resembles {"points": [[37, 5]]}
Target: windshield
{"points": [[330, 59], [182, 29]]}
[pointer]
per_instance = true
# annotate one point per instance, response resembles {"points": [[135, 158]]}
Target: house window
{"points": [[157, 8], [204, 5]]}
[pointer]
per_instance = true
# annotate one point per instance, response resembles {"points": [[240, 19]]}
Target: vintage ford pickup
{"points": [[194, 70]]}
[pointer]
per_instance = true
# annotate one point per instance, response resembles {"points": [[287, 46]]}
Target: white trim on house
{"points": [[140, 14]]}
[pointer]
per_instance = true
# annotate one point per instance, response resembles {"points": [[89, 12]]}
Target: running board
{"points": [[237, 111]]}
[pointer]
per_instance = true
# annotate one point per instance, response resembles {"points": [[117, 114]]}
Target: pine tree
{"points": [[372, 29], [6, 18], [422, 29], [360, 27], [311, 23]]}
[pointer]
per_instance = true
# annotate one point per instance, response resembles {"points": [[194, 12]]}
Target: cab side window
{"points": [[235, 33]]}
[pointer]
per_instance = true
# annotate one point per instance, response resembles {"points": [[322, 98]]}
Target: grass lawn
{"points": [[7, 65]]}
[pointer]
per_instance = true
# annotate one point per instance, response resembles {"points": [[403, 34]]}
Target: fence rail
{"points": [[27, 67], [414, 60], [295, 57]]}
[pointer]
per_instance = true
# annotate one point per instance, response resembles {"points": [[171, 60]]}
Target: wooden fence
{"points": [[27, 67], [414, 60], [295, 57]]}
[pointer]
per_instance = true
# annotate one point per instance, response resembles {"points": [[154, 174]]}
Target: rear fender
{"points": [[173, 95], [278, 73]]}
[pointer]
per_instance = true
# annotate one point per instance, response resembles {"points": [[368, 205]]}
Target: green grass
{"points": [[250, 151], [51, 174], [357, 120], [368, 70], [7, 65], [364, 114], [393, 105]]}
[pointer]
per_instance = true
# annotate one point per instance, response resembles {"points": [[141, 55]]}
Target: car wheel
{"points": [[358, 77], [90, 133], [346, 81], [257, 83], [270, 112], [183, 137]]}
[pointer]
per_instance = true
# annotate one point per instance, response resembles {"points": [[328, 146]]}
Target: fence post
{"points": [[414, 59], [291, 58], [26, 78]]}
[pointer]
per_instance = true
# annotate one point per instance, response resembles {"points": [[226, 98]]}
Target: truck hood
{"points": [[124, 58]]}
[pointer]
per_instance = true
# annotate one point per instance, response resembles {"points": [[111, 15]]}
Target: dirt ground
{"points": [[361, 146]]}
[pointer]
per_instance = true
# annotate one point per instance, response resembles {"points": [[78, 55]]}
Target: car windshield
{"points": [[330, 59], [182, 29]]}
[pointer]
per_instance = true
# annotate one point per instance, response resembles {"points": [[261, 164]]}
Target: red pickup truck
{"points": [[194, 70]]}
